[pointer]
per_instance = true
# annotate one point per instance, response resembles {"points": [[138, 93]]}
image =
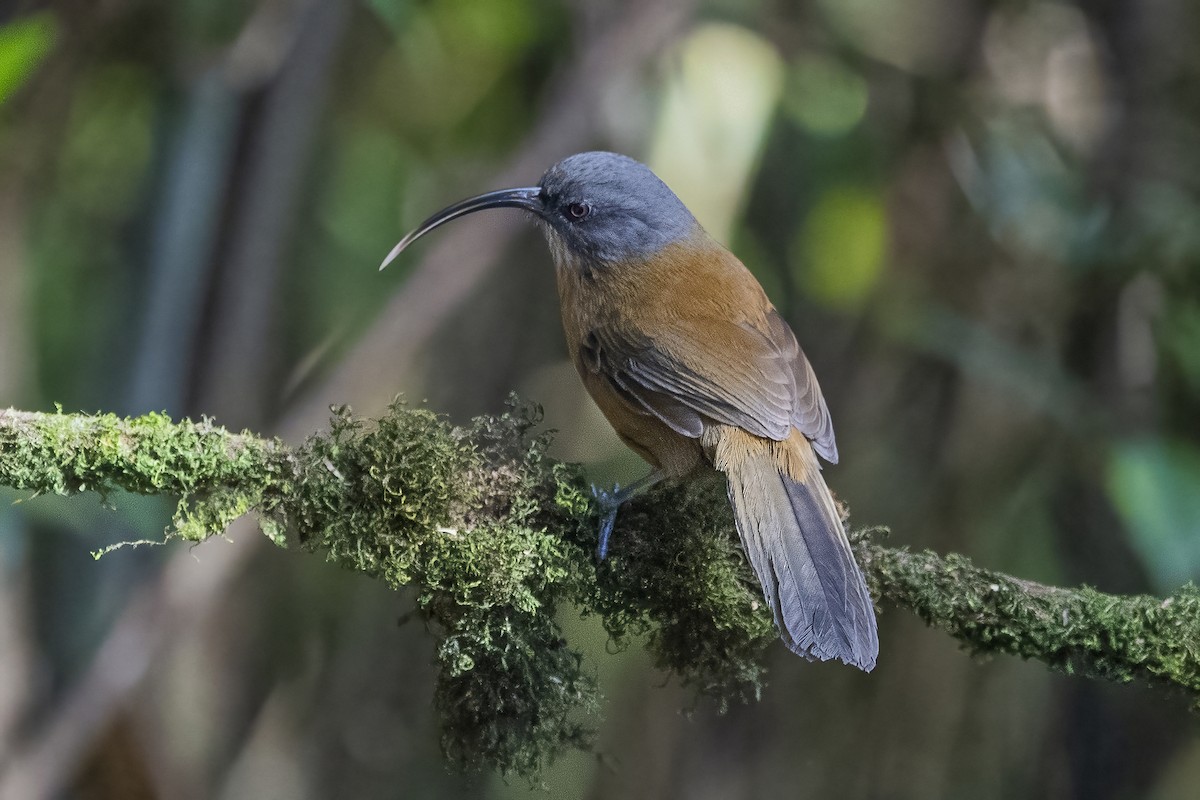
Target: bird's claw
{"points": [[609, 501]]}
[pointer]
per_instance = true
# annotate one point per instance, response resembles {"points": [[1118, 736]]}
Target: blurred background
{"points": [[981, 218]]}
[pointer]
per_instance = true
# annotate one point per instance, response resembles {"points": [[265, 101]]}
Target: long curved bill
{"points": [[526, 198]]}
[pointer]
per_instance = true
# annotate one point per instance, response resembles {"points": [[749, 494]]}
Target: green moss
{"points": [[496, 539], [216, 475], [1075, 631], [464, 515], [676, 573]]}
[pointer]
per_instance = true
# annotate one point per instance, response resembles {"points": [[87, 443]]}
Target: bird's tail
{"points": [[794, 539]]}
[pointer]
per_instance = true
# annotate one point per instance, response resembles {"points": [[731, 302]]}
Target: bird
{"points": [[679, 346]]}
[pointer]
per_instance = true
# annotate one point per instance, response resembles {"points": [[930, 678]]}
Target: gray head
{"points": [[601, 208]]}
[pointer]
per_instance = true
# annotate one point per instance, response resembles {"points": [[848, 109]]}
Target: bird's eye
{"points": [[578, 211]]}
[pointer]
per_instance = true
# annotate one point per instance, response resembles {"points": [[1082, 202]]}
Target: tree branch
{"points": [[494, 536]]}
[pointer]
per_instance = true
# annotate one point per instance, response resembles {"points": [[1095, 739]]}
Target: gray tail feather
{"points": [[793, 536]]}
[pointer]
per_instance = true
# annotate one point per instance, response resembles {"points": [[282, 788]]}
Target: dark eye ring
{"points": [[578, 211]]}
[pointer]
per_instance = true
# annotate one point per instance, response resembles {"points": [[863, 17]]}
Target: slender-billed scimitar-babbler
{"points": [[681, 349]]}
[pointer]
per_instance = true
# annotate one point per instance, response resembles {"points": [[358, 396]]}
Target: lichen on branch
{"points": [[217, 476], [1077, 631], [494, 537]]}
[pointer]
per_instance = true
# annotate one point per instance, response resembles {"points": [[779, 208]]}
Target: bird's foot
{"points": [[609, 502]]}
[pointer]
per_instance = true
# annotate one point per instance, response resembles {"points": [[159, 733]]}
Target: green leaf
{"points": [[23, 45]]}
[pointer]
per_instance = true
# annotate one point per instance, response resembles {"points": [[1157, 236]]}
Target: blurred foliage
{"points": [[1155, 485], [841, 247], [824, 96], [715, 110]]}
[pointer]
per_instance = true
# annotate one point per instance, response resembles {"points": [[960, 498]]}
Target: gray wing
{"points": [[724, 373], [809, 412]]}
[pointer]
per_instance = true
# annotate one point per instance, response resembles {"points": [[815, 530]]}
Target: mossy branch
{"points": [[494, 536]]}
